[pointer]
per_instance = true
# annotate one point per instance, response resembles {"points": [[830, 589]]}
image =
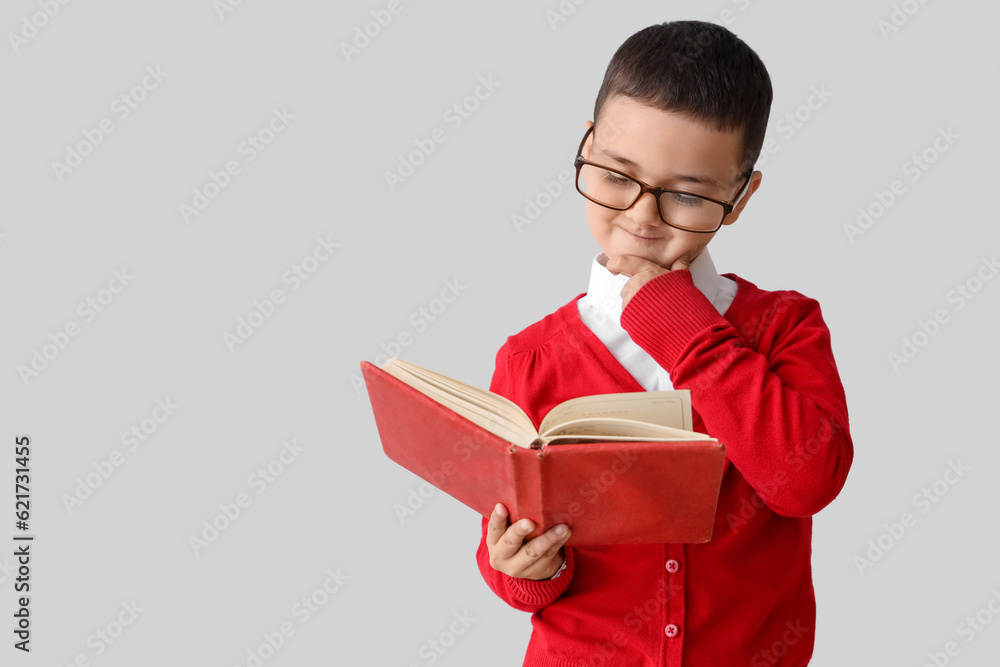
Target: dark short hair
{"points": [[700, 70]]}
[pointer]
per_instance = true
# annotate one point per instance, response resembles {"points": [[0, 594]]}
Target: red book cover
{"points": [[607, 492]]}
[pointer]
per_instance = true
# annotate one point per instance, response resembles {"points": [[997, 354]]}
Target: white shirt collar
{"points": [[601, 308], [605, 287]]}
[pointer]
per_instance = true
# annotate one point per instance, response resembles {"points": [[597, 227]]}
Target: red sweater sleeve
{"points": [[779, 408], [523, 594]]}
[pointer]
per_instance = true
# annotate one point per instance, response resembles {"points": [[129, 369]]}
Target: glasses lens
{"points": [[607, 187], [618, 191], [690, 212]]}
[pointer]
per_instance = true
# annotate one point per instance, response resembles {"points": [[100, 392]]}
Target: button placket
{"points": [[673, 566]]}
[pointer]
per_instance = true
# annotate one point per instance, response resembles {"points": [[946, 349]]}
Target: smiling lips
{"points": [[641, 238]]}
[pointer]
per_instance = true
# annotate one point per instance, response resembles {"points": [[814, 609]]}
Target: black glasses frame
{"points": [[727, 206]]}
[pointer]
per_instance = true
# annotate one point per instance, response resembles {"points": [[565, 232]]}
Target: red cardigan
{"points": [[764, 382]]}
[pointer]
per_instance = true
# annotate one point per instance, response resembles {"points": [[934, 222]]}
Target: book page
{"points": [[666, 408], [608, 428], [490, 411]]}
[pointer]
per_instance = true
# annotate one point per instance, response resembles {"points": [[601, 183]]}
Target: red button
{"points": [[672, 630], [673, 566]]}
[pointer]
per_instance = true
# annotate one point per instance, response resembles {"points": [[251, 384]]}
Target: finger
{"points": [[630, 264], [503, 551], [558, 540], [509, 538], [618, 264], [512, 540], [544, 546], [628, 291], [497, 524], [684, 262], [681, 264]]}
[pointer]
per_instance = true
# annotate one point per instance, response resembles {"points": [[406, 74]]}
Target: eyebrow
{"points": [[686, 178]]}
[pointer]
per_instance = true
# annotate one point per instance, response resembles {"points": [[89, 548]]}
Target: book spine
{"points": [[526, 465]]}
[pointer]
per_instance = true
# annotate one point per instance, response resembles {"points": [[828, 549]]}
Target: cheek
{"points": [[599, 219], [691, 248]]}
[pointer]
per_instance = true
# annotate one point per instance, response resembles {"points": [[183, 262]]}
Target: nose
{"points": [[644, 211]]}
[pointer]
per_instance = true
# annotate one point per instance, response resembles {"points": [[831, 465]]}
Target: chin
{"points": [[646, 253]]}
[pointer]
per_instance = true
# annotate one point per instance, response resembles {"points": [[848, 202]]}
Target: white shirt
{"points": [[601, 309]]}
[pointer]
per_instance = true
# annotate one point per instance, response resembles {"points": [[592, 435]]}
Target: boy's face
{"points": [[665, 150]]}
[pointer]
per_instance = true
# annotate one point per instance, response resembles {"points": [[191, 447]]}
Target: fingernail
{"points": [[525, 525], [560, 530]]}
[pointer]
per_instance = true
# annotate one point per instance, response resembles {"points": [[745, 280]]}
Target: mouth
{"points": [[641, 238]]}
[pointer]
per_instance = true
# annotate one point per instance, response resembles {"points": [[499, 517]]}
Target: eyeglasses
{"points": [[618, 191]]}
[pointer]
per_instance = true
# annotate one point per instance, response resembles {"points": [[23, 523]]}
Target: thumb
{"points": [[684, 261], [681, 264]]}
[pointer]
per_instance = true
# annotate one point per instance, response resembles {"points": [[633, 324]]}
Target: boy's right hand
{"points": [[539, 558]]}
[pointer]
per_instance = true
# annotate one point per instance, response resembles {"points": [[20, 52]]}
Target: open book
{"points": [[618, 468], [650, 416]]}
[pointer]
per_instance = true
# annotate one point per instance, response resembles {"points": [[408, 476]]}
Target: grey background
{"points": [[332, 507]]}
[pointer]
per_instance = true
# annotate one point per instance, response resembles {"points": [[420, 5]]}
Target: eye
{"points": [[686, 200], [615, 179]]}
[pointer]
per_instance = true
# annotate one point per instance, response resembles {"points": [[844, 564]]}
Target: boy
{"points": [[684, 107]]}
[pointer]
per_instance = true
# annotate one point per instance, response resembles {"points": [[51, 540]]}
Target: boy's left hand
{"points": [[641, 271]]}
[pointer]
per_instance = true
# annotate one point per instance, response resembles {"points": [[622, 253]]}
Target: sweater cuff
{"points": [[666, 314], [559, 571], [534, 592]]}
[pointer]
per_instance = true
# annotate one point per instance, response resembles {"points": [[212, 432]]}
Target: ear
{"points": [[755, 179], [590, 140]]}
